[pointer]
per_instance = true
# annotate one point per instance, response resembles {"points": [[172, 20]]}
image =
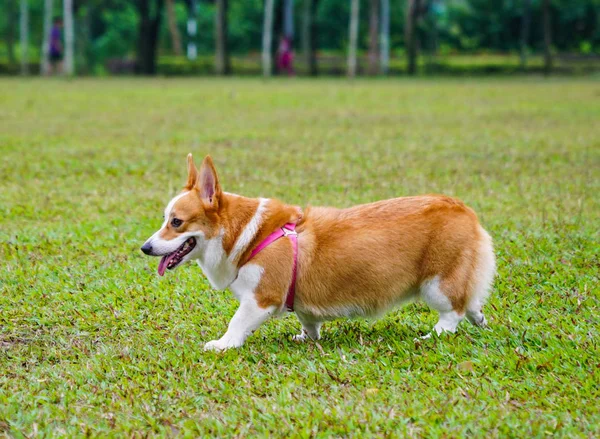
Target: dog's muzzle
{"points": [[147, 248]]}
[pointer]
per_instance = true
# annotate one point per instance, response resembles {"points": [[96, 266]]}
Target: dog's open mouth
{"points": [[172, 260]]}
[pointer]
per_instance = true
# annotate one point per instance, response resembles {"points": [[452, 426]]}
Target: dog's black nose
{"points": [[147, 248]]}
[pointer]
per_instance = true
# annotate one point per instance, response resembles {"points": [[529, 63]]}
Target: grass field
{"points": [[93, 342]]}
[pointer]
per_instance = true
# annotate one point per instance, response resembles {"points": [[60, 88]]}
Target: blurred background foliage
{"points": [[453, 35]]}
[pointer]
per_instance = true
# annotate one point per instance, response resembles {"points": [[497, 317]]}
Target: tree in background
{"points": [[288, 19], [10, 31], [384, 55], [107, 32], [409, 36], [307, 21], [222, 64], [353, 37], [525, 20], [415, 9], [547, 37], [45, 58], [173, 29], [309, 35], [84, 15], [24, 36], [267, 38], [192, 29], [373, 37], [150, 13], [69, 63]]}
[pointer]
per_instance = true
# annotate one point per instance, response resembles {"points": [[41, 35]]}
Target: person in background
{"points": [[285, 56], [56, 47]]}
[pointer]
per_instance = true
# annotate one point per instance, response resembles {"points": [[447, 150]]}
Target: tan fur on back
{"points": [[367, 258]]}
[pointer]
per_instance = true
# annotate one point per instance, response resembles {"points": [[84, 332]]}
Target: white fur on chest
{"points": [[218, 269]]}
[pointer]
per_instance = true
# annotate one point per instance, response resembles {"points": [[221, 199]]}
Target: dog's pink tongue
{"points": [[162, 265]]}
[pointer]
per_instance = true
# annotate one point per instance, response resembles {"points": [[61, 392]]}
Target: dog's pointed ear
{"points": [[208, 183], [192, 173]]}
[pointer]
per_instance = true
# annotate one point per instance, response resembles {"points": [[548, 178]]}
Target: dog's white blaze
{"points": [[163, 246], [169, 207], [250, 231]]}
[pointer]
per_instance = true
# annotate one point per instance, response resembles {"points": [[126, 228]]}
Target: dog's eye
{"points": [[176, 222]]}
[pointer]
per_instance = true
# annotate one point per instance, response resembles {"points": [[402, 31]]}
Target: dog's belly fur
{"points": [[367, 259]]}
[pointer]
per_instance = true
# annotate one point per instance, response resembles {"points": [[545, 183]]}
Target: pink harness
{"points": [[288, 230]]}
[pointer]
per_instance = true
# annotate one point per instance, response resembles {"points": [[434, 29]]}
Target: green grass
{"points": [[93, 342]]}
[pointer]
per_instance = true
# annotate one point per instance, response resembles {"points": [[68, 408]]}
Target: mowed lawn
{"points": [[94, 342]]}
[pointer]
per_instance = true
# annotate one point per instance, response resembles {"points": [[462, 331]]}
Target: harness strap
{"points": [[288, 230]]}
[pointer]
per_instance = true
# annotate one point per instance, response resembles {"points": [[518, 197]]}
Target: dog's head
{"points": [[191, 218]]}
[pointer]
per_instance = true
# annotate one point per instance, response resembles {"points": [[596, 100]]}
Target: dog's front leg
{"points": [[246, 320]]}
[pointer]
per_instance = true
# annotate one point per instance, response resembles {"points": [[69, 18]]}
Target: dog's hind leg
{"points": [[462, 291], [310, 328], [431, 292], [482, 280]]}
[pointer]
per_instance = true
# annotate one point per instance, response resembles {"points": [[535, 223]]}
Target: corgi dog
{"points": [[355, 262]]}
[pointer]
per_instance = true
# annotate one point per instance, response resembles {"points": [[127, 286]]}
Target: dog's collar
{"points": [[288, 230]]}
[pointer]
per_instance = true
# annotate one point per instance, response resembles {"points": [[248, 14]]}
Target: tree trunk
{"points": [[314, 33], [192, 29], [144, 30], [353, 37], [434, 37], [24, 37], [306, 34], [45, 59], [154, 34], [173, 29], [525, 19], [222, 65], [385, 36], [69, 65], [267, 38], [10, 31], [288, 19], [374, 37], [148, 35], [547, 38], [309, 36], [410, 39], [277, 33], [84, 55]]}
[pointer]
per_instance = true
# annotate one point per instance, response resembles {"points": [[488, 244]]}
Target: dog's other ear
{"points": [[208, 183], [192, 173]]}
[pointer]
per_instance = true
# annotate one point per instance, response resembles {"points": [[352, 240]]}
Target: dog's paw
{"points": [[221, 345], [421, 338], [300, 337], [306, 336]]}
